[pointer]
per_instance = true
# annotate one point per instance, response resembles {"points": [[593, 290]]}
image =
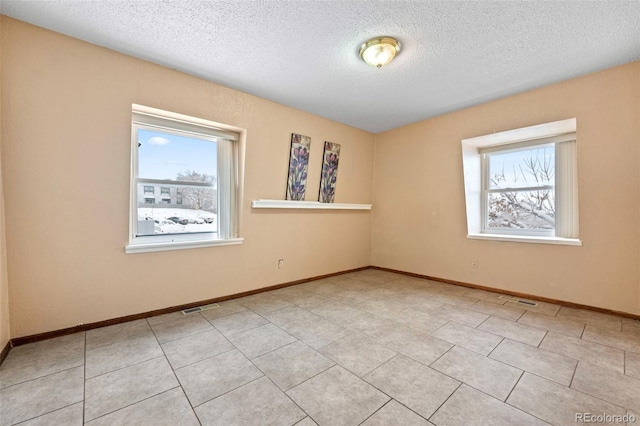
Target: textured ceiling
{"points": [[304, 53]]}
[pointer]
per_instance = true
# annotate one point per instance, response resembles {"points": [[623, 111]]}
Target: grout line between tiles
{"points": [[495, 347], [514, 387], [242, 330], [310, 378], [406, 356], [542, 340], [398, 402], [435, 360], [290, 399], [133, 403], [48, 412], [120, 341], [234, 348], [602, 344], [127, 366], [526, 412], [384, 363], [431, 332], [574, 374], [224, 393], [41, 377], [372, 414], [272, 350], [183, 337], [447, 399], [483, 321]]}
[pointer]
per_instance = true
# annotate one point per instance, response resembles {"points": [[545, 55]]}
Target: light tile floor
{"points": [[370, 348]]}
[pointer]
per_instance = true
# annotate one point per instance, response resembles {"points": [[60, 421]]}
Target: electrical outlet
{"points": [[474, 263], [281, 263]]}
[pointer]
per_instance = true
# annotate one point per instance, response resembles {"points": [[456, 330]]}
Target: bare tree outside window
{"points": [[199, 198], [521, 189]]}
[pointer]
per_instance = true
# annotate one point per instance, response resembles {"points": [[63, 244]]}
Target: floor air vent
{"points": [[199, 309], [519, 301]]}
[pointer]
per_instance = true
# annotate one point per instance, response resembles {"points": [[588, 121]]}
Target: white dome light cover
{"points": [[379, 51]]}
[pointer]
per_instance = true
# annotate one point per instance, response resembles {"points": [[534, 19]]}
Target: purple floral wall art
{"points": [[329, 172], [298, 165]]}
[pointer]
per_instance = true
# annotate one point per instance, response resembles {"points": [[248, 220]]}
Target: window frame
{"points": [[231, 144], [485, 155], [475, 152]]}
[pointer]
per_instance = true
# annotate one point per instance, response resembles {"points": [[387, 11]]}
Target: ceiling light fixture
{"points": [[379, 51]]}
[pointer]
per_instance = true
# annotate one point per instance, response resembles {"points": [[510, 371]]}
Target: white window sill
{"points": [[527, 239], [180, 245], [289, 204]]}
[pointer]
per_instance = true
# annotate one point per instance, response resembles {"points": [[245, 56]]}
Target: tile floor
{"points": [[365, 348]]}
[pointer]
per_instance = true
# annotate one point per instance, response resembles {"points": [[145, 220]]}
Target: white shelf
{"points": [[288, 204]]}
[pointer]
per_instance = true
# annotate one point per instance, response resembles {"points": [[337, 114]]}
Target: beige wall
{"points": [[4, 283], [419, 222], [65, 159]]}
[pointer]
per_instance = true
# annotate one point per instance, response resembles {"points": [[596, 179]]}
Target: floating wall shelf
{"points": [[288, 204]]}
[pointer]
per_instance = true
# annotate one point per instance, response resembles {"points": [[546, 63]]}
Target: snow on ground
{"points": [[160, 213], [164, 226]]}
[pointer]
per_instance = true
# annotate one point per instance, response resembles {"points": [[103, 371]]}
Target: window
{"points": [[521, 185], [193, 157], [518, 189]]}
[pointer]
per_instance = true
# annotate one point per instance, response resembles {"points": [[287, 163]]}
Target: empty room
{"points": [[319, 212]]}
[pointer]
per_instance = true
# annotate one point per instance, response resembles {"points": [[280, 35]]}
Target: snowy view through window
{"points": [[521, 192], [177, 183]]}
